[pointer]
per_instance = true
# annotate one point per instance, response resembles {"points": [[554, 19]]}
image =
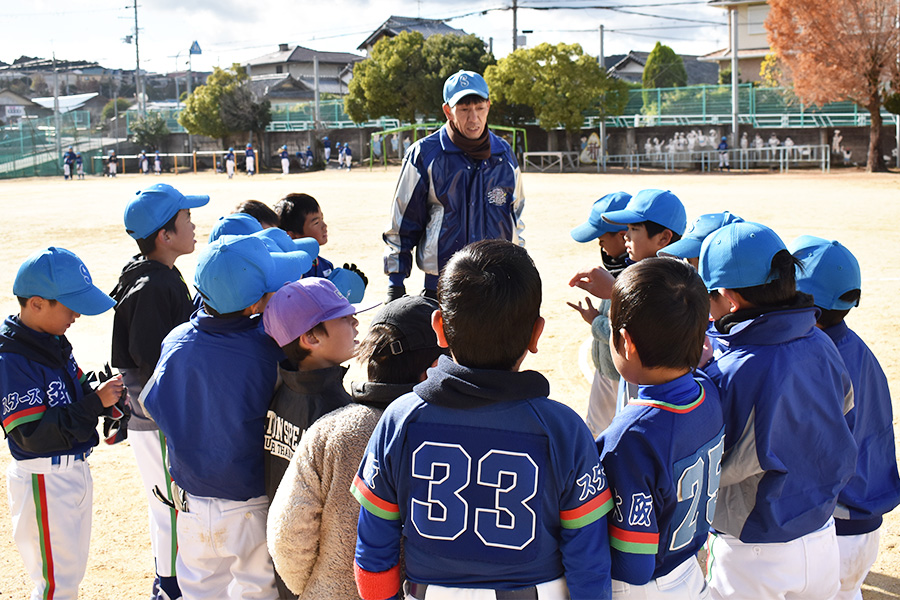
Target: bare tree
{"points": [[839, 50]]}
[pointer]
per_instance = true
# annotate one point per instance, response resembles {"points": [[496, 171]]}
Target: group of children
{"points": [[732, 408]]}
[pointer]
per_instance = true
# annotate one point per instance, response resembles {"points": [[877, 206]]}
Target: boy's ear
{"points": [[737, 301], [308, 340], [536, 332], [629, 350], [437, 323], [663, 238]]}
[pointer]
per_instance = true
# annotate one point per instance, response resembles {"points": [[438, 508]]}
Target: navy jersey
{"points": [[875, 487], [491, 484], [229, 155], [662, 454], [249, 153], [284, 154]]}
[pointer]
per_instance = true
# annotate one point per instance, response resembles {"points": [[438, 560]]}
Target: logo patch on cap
{"points": [[464, 81], [85, 274]]}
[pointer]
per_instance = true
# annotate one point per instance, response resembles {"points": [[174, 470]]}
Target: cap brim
{"points": [[195, 201], [308, 245], [91, 301], [455, 98], [288, 266], [587, 232], [620, 217], [683, 248], [364, 306]]}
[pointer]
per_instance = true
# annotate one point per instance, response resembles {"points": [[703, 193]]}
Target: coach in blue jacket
{"points": [[459, 185]]}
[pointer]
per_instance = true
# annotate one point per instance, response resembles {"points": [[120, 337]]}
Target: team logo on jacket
{"points": [[497, 196]]}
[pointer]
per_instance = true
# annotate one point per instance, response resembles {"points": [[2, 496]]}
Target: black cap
{"points": [[411, 317]]}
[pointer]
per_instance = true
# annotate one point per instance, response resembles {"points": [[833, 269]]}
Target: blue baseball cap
{"points": [[348, 283], [660, 206], [236, 271], [829, 271], [278, 240], [595, 225], [463, 83], [301, 305], [738, 256], [151, 208], [234, 224], [57, 274], [689, 245]]}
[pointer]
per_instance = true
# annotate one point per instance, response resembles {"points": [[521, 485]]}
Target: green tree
{"points": [[240, 112], [559, 83], [391, 82], [109, 109], [201, 114], [150, 131], [664, 69], [404, 76]]}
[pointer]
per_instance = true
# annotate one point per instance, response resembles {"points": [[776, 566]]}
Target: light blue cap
{"points": [[595, 225], [278, 240], [739, 256], [151, 208], [689, 245], [463, 83], [349, 284], [235, 271], [57, 274], [659, 206], [234, 224], [829, 271]]}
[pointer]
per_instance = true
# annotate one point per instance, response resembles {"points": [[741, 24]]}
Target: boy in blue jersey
{"points": [[788, 449], [209, 395], [50, 414], [611, 238], [496, 491], [830, 274], [662, 451]]}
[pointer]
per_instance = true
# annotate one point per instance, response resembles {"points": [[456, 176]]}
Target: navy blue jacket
{"points": [[48, 408], [445, 200], [209, 394]]}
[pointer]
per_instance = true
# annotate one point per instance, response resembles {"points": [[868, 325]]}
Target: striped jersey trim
{"points": [[588, 512], [674, 408], [372, 503], [23, 416], [633, 542], [39, 491]]}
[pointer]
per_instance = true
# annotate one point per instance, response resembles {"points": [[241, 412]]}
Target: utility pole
{"points": [[515, 7], [735, 78], [56, 110], [602, 160], [195, 49], [142, 106]]}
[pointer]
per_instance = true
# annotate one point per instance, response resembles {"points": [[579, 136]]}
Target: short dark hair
{"points": [[23, 301], [653, 229], [664, 306], [216, 314], [779, 291], [471, 99], [293, 209], [147, 245], [490, 297], [296, 353], [259, 211], [831, 317], [383, 366]]}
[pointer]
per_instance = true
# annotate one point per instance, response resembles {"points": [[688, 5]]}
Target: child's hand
{"points": [[595, 281], [110, 391], [588, 313]]}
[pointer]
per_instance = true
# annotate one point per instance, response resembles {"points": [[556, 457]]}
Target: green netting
{"points": [[28, 147]]}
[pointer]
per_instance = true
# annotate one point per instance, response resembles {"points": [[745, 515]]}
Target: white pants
{"points": [[858, 554], [79, 170], [222, 550], [157, 167], [601, 403], [149, 452], [229, 168], [327, 154], [112, 167], [723, 159], [251, 164], [50, 505], [685, 582], [801, 569], [285, 166], [551, 590], [67, 170]]}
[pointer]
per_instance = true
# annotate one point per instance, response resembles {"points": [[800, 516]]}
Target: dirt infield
{"points": [[862, 211]]}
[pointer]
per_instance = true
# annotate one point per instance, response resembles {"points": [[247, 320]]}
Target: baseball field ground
{"points": [[862, 211]]}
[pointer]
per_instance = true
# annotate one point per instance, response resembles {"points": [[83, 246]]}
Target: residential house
{"points": [[630, 67], [395, 25], [752, 40], [335, 68]]}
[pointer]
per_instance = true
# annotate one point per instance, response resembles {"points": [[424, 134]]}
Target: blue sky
{"points": [[235, 31]]}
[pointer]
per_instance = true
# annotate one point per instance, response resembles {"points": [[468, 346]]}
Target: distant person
{"points": [[723, 154], [144, 163], [157, 163], [79, 165], [112, 163], [285, 161], [229, 163], [326, 144], [458, 185], [250, 155], [69, 165]]}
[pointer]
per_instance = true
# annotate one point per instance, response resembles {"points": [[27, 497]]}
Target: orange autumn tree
{"points": [[836, 50]]}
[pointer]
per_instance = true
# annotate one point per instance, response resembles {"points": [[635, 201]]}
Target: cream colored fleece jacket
{"points": [[311, 530]]}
